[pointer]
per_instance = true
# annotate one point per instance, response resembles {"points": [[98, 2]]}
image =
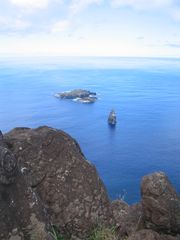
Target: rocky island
{"points": [[79, 95], [112, 118], [46, 181]]}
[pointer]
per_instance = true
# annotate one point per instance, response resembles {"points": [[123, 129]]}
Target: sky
{"points": [[140, 28]]}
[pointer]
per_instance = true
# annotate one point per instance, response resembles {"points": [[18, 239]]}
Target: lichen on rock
{"points": [[65, 182]]}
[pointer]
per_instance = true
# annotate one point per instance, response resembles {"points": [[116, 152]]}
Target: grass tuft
{"points": [[104, 234], [55, 234]]}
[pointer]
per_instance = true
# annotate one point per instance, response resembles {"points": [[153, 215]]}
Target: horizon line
{"points": [[87, 56]]}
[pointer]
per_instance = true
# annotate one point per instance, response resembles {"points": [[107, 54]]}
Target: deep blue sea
{"points": [[145, 93]]}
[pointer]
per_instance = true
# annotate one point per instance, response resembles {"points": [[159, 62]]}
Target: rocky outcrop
{"points": [[64, 181], [161, 204], [120, 210], [1, 136], [145, 235], [129, 221], [78, 95], [148, 234], [156, 217], [21, 211], [8, 166], [45, 180]]}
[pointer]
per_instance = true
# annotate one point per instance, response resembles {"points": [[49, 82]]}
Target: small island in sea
{"points": [[78, 95], [112, 118]]}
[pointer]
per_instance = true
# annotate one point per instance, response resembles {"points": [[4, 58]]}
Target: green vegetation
{"points": [[55, 234], [104, 234], [100, 233]]}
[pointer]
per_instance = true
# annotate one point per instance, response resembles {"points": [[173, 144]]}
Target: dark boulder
{"points": [[145, 235], [8, 166], [129, 219], [161, 204], [65, 182], [120, 210], [1, 136], [148, 234], [21, 213]]}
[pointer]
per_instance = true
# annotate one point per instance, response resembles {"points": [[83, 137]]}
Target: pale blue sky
{"points": [[90, 27]]}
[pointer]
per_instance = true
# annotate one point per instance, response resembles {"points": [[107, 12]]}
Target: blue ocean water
{"points": [[145, 94]]}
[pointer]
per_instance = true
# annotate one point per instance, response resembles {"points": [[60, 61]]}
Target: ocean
{"points": [[144, 92]]}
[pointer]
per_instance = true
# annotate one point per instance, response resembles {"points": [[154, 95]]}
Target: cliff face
{"points": [[52, 166], [45, 180], [156, 217]]}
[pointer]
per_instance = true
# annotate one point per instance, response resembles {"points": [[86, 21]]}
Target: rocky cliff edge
{"points": [[46, 181]]}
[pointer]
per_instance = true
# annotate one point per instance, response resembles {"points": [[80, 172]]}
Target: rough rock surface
{"points": [[1, 136], [158, 211], [130, 221], [45, 179], [161, 204], [18, 203], [120, 210], [8, 166], [145, 235], [66, 183]]}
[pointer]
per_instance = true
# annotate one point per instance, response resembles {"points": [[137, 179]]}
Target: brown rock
{"points": [[145, 235], [8, 166], [119, 210], [18, 202], [1, 136], [16, 237], [168, 237], [129, 220], [161, 204], [67, 184]]}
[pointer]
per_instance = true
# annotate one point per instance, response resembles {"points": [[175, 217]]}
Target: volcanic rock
{"points": [[145, 235], [65, 182], [120, 210], [45, 180], [161, 204], [1, 136], [129, 220], [19, 204]]}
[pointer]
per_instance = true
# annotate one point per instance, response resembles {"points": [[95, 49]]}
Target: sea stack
{"points": [[112, 118]]}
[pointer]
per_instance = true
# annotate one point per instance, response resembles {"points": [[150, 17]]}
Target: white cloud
{"points": [[170, 7], [78, 5], [3, 21], [11, 24], [20, 24], [60, 26], [175, 13], [30, 3], [142, 4]]}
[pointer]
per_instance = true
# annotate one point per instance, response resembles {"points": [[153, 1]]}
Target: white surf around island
{"points": [[78, 95]]}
